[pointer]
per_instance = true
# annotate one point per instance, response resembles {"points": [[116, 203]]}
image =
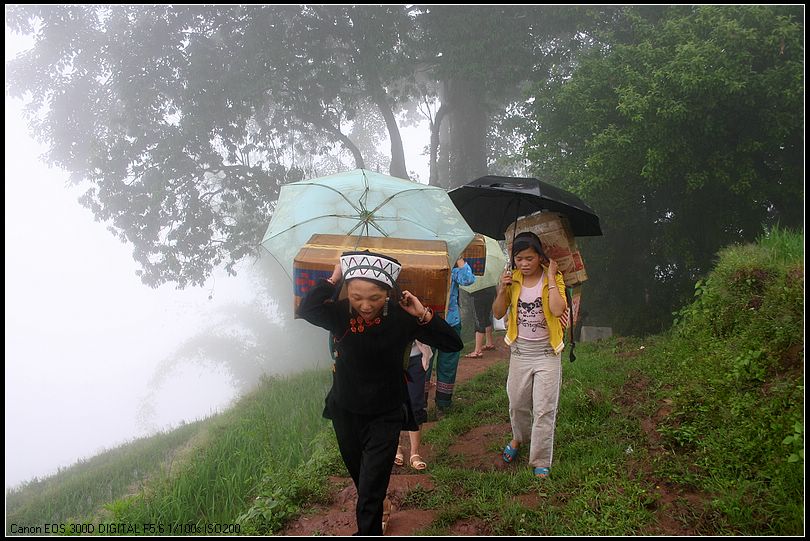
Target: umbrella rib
{"points": [[358, 224], [337, 192], [280, 264], [366, 224], [315, 218], [390, 197], [365, 191], [403, 219], [377, 227]]}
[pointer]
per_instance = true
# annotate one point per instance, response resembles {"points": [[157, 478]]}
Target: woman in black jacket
{"points": [[368, 403]]}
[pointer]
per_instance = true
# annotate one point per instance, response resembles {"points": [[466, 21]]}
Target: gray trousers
{"points": [[533, 387]]}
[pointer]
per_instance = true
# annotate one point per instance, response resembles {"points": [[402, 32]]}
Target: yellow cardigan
{"points": [[556, 334]]}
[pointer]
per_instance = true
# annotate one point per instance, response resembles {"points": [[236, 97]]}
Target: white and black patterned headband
{"points": [[377, 267]]}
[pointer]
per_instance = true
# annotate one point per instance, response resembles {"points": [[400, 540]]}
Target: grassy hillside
{"points": [[698, 431], [80, 490], [201, 472], [732, 372]]}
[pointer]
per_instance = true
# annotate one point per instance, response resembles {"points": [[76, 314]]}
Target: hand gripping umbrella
{"points": [[363, 203], [491, 203]]}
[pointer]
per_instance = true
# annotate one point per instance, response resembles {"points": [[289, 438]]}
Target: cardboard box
{"points": [[476, 255], [425, 267], [558, 242]]}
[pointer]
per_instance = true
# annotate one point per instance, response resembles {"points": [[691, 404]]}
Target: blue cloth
{"points": [[459, 276], [446, 369]]}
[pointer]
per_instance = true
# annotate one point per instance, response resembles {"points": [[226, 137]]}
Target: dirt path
{"points": [[678, 510], [338, 518]]}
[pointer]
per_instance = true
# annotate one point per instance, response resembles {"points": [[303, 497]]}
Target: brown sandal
{"points": [[399, 458], [473, 355], [417, 463], [386, 514]]}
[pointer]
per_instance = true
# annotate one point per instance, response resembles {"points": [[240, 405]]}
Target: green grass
{"points": [[589, 492], [214, 481], [727, 473], [697, 431], [270, 429], [80, 490], [724, 389]]}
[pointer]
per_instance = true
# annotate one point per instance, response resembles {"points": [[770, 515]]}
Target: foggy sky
{"points": [[84, 337]]}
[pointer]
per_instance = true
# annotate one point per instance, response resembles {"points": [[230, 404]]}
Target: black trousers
{"points": [[368, 444]]}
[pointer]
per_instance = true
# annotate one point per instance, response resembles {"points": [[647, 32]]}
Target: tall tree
{"points": [[138, 103], [684, 130], [366, 47], [483, 57], [474, 51], [173, 116], [183, 121]]}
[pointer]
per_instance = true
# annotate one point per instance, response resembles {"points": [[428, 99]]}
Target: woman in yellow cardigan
{"points": [[534, 294]]}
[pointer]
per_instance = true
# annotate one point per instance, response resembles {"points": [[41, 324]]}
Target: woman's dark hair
{"points": [[526, 240]]}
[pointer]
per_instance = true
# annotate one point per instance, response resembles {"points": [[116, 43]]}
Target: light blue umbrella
{"points": [[496, 263], [363, 203]]}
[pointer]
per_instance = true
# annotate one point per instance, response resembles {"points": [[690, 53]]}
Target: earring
{"points": [[385, 307]]}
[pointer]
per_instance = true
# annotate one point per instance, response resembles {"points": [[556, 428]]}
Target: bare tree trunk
{"points": [[468, 133], [358, 156], [443, 159], [397, 168], [343, 138], [434, 145], [363, 21]]}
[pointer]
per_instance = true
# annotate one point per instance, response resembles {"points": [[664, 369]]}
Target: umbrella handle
{"points": [[510, 264], [571, 356], [517, 214]]}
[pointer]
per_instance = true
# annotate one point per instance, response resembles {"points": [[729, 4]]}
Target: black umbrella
{"points": [[489, 204]]}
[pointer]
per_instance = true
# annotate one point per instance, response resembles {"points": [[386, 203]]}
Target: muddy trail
{"points": [[338, 518], [672, 507]]}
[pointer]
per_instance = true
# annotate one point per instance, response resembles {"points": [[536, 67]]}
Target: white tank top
{"points": [[531, 319]]}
